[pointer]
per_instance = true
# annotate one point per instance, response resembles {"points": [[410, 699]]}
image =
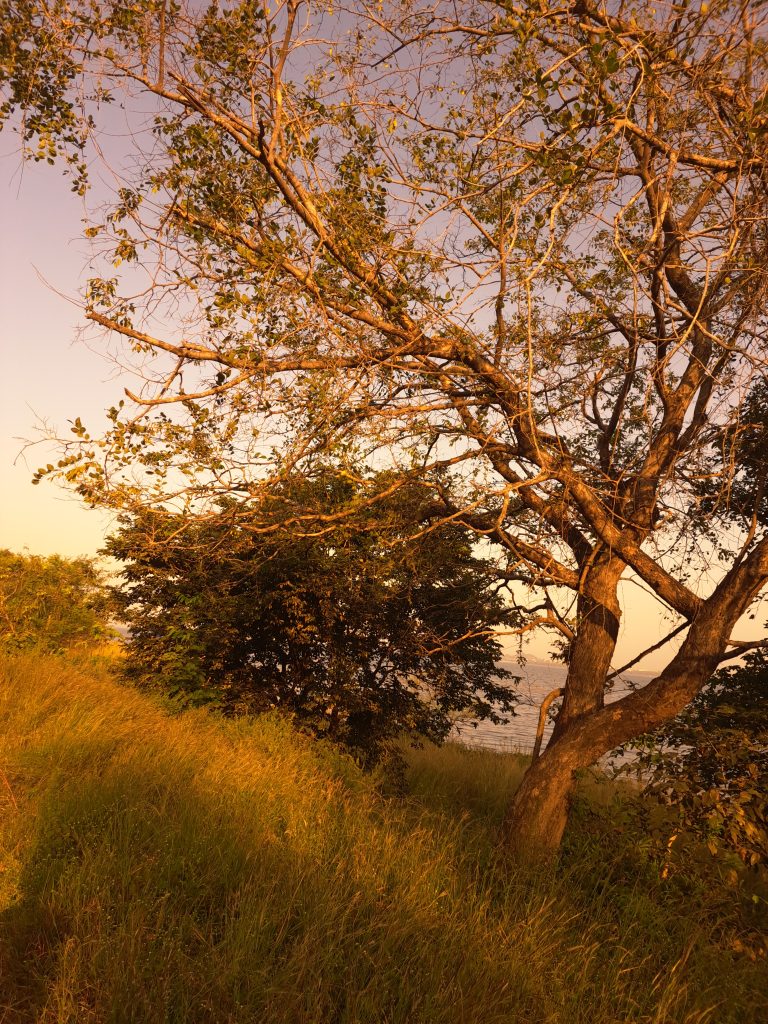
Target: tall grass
{"points": [[184, 869]]}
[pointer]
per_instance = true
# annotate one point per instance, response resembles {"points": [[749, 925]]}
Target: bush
{"points": [[710, 764], [50, 603]]}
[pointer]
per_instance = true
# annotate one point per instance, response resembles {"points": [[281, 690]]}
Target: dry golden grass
{"points": [[184, 869]]}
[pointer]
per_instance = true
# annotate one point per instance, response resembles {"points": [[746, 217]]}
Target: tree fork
{"points": [[538, 813]]}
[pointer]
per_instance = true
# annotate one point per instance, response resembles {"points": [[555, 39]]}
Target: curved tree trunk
{"points": [[591, 653], [538, 812], [537, 816]]}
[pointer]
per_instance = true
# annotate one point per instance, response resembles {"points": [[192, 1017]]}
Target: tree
{"points": [[527, 242], [51, 603], [355, 634]]}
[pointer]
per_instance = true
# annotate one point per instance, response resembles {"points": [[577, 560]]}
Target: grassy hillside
{"points": [[182, 869]]}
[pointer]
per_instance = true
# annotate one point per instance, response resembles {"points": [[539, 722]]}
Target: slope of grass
{"points": [[183, 869]]}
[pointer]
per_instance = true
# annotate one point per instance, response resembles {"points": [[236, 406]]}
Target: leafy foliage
{"points": [[357, 634], [711, 762], [50, 603]]}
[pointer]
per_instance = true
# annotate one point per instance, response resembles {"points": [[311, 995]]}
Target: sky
{"points": [[50, 376]]}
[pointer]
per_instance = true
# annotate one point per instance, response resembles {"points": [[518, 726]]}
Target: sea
{"points": [[537, 679]]}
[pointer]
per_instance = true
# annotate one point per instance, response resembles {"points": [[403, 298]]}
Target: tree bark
{"points": [[537, 816], [539, 813], [591, 653]]}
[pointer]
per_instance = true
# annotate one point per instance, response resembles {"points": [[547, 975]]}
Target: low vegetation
{"points": [[160, 868], [710, 764], [51, 604]]}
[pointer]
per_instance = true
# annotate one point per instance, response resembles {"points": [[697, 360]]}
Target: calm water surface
{"points": [[536, 682]]}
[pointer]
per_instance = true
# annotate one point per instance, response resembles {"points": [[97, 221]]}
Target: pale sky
{"points": [[48, 374]]}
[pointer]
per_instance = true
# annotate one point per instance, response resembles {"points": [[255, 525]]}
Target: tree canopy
{"points": [[359, 635], [527, 243]]}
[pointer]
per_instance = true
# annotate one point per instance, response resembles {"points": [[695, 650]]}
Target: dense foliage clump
{"points": [[711, 762], [51, 603], [359, 634]]}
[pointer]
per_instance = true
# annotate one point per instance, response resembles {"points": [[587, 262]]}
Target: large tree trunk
{"points": [[538, 815], [538, 812], [591, 652]]}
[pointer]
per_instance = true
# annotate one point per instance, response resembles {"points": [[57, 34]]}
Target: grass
{"points": [[183, 869]]}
